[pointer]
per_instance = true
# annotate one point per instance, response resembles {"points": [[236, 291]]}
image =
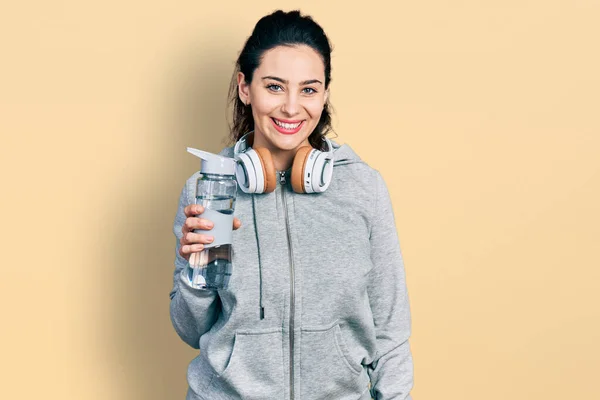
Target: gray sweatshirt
{"points": [[317, 305]]}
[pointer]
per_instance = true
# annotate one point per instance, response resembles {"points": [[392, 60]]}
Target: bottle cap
{"points": [[213, 163]]}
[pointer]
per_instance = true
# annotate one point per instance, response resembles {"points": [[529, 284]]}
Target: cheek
{"points": [[263, 105], [315, 109]]}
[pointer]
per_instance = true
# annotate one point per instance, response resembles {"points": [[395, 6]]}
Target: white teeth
{"points": [[287, 126]]}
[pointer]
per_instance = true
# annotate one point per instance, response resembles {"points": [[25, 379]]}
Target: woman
{"points": [[317, 306]]}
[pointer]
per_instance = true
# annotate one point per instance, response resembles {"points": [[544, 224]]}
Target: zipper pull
{"points": [[282, 178]]}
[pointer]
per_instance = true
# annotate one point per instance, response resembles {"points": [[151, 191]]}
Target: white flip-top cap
{"points": [[213, 163]]}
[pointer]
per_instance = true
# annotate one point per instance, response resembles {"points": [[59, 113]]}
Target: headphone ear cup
{"points": [[244, 173], [268, 168], [298, 168]]}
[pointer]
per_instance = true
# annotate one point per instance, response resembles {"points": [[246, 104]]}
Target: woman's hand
{"points": [[194, 242]]}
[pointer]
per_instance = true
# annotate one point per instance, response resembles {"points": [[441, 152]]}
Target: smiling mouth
{"points": [[287, 125]]}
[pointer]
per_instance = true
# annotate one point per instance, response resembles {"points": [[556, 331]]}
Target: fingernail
{"points": [[210, 238], [210, 224]]}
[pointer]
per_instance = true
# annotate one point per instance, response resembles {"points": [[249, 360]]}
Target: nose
{"points": [[291, 105]]}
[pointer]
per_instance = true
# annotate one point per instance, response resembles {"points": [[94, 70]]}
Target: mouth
{"points": [[287, 127]]}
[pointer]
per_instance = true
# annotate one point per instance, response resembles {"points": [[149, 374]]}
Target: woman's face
{"points": [[287, 95]]}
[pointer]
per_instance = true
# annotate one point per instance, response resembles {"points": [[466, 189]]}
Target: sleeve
{"points": [[193, 311], [391, 371]]}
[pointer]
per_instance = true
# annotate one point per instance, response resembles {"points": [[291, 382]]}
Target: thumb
{"points": [[236, 223]]}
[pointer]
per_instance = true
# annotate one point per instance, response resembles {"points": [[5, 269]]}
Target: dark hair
{"points": [[279, 29]]}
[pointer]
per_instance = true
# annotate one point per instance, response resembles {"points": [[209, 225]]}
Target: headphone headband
{"points": [[312, 169]]}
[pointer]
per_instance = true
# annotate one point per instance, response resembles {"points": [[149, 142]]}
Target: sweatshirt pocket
{"points": [[327, 371], [255, 367]]}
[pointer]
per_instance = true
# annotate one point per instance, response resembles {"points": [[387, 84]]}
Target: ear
{"points": [[326, 95], [243, 88]]}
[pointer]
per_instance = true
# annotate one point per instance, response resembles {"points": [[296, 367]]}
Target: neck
{"points": [[282, 159]]}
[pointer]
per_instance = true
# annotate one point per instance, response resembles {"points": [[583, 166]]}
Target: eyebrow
{"points": [[308, 82]]}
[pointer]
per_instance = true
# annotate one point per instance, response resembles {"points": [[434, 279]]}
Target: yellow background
{"points": [[483, 117]]}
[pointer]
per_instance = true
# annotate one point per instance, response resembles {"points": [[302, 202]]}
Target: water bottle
{"points": [[216, 191]]}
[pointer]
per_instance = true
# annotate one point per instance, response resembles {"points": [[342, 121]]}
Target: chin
{"points": [[286, 145], [286, 142], [291, 143]]}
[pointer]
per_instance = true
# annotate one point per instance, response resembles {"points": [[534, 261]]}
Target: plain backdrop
{"points": [[482, 116]]}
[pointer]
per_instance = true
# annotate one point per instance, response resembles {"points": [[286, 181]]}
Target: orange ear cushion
{"points": [[298, 168], [268, 168]]}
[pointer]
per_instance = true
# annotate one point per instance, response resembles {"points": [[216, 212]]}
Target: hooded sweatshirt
{"points": [[317, 305]]}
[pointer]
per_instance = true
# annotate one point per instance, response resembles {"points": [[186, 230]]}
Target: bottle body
{"points": [[211, 268]]}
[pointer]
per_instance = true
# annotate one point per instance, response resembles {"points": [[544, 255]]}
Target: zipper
{"points": [[282, 180]]}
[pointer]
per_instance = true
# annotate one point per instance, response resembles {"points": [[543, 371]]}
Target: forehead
{"points": [[293, 63]]}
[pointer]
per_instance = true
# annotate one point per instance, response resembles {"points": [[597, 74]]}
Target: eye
{"points": [[274, 85], [313, 90]]}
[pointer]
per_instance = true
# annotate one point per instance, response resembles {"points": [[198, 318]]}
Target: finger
{"points": [[193, 209], [197, 223], [192, 238], [188, 249], [182, 254]]}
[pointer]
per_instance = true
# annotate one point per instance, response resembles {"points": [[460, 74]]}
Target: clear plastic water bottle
{"points": [[216, 191]]}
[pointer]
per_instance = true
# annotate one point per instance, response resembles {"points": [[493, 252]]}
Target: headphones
{"points": [[255, 172]]}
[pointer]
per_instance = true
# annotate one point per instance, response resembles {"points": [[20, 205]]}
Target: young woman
{"points": [[317, 305]]}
